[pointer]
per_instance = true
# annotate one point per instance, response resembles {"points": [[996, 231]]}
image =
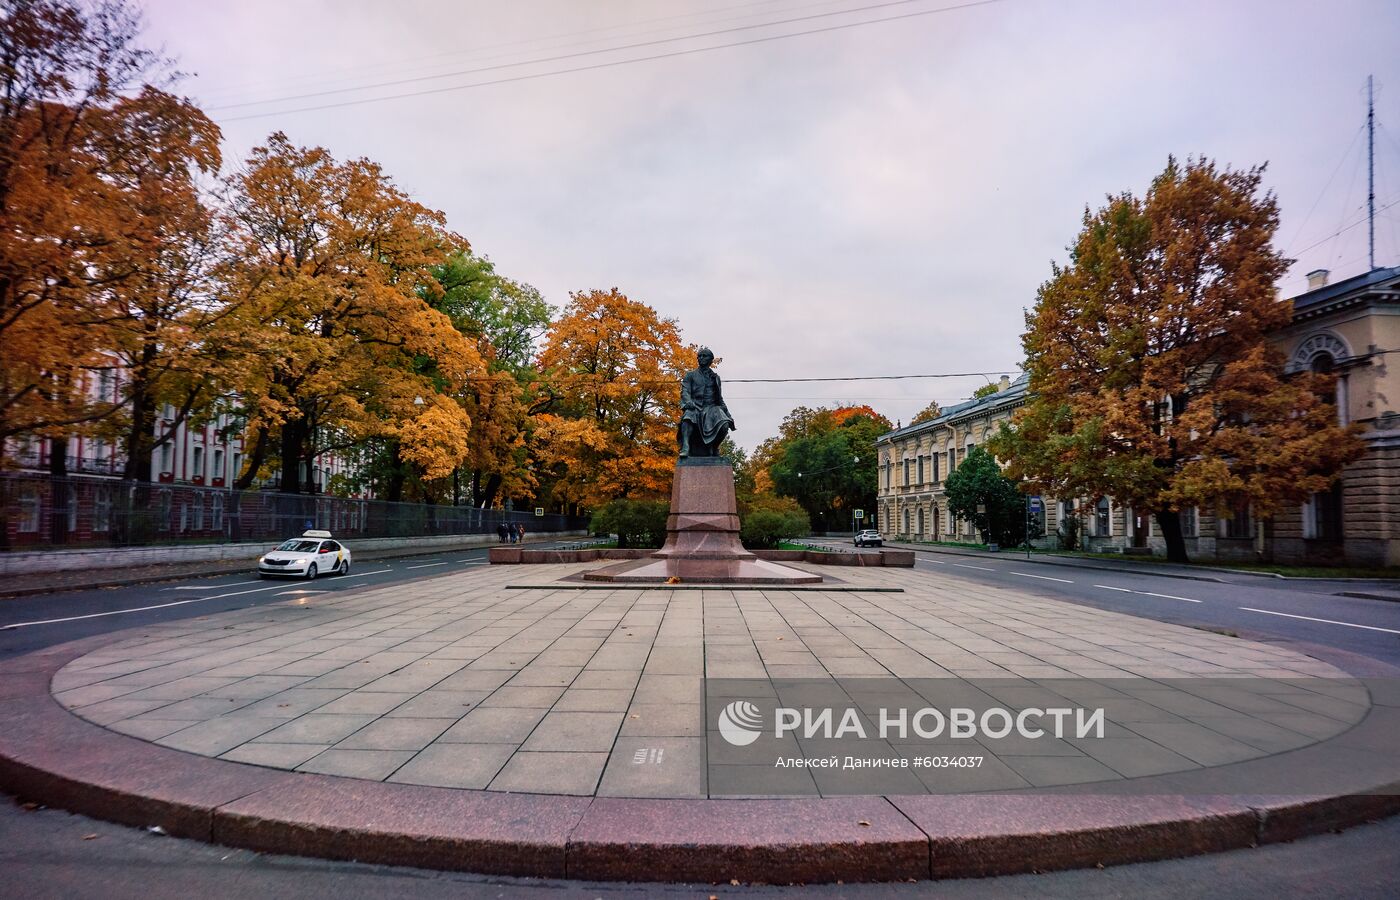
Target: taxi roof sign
{"points": [[316, 534]]}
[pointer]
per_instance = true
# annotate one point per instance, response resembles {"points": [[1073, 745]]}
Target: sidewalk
{"points": [[88, 580], [471, 723]]}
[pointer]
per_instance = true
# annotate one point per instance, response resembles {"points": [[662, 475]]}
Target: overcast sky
{"points": [[881, 199]]}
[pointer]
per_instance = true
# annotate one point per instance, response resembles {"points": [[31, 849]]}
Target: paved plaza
{"points": [[507, 678]]}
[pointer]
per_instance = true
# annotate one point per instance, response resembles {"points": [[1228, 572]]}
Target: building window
{"points": [[218, 470], [198, 462], [218, 516], [165, 501], [933, 464], [1238, 523], [237, 466], [1103, 521], [29, 510], [906, 472], [1189, 523], [1324, 514], [198, 510], [952, 460], [906, 520], [165, 459], [921, 473], [921, 522]]}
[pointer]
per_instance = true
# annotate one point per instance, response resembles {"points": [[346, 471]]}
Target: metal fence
{"points": [[43, 512]]}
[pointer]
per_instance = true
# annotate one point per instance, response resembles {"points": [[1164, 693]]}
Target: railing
{"points": [[38, 512]]}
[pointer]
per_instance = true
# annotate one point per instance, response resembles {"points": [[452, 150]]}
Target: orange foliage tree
{"points": [[98, 205], [330, 339], [1152, 376], [610, 371]]}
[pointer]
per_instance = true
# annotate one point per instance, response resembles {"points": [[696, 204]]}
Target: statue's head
{"points": [[705, 357]]}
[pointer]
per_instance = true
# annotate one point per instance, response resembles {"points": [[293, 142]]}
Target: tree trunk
{"points": [[488, 493], [291, 453], [255, 461], [1170, 523], [394, 487], [140, 438], [60, 490]]}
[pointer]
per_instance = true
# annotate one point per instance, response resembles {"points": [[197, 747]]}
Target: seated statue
{"points": [[705, 420]]}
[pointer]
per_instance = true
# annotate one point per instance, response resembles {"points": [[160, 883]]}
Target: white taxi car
{"points": [[306, 557]]}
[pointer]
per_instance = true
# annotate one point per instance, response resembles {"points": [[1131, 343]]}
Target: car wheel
{"points": [[311, 572], [345, 567]]}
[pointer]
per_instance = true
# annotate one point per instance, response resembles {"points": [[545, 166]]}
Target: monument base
{"points": [[702, 537]]}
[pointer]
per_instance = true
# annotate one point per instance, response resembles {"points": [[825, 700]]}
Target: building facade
{"points": [[1350, 329]]}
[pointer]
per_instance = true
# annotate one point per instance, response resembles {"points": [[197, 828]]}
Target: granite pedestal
{"points": [[702, 537]]}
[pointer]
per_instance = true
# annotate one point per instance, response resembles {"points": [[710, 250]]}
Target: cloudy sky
{"points": [[868, 199]]}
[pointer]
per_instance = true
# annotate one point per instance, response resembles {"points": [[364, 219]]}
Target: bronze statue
{"points": [[705, 420]]}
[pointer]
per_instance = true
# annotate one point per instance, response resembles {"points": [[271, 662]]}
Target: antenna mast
{"points": [[1371, 168]]}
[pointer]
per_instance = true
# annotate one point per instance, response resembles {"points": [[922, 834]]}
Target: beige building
{"points": [[1351, 328]]}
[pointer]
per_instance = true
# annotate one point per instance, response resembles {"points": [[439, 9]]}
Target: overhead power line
{"points": [[608, 64], [600, 380]]}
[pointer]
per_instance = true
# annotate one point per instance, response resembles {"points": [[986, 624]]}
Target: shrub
{"points": [[763, 527], [637, 523]]}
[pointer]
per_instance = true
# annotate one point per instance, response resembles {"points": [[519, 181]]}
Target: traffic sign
{"points": [[1035, 504], [539, 510], [860, 514]]}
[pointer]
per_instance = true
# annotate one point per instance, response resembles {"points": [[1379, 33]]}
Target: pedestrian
{"points": [[520, 530], [501, 532]]}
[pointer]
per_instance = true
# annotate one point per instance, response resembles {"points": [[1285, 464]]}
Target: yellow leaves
{"points": [[436, 438], [615, 368]]}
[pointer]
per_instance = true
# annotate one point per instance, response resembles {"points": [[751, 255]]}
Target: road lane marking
{"points": [[1270, 612], [426, 565], [966, 566], [363, 574], [207, 587], [1043, 577], [1109, 587], [1169, 596], [300, 591], [118, 612]]}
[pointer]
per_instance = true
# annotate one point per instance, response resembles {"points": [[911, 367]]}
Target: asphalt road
{"points": [[1296, 610], [36, 621], [46, 853]]}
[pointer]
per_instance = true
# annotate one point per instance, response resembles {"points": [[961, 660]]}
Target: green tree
{"points": [[637, 523], [1153, 379], [985, 390], [825, 459], [978, 492]]}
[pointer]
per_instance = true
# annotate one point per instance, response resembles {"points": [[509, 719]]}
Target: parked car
{"points": [[312, 554], [869, 538]]}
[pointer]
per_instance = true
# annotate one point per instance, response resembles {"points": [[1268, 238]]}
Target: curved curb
{"points": [[49, 755]]}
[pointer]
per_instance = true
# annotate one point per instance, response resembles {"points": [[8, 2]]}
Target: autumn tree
{"points": [[927, 414], [328, 263], [610, 383], [98, 206], [504, 318], [1152, 377]]}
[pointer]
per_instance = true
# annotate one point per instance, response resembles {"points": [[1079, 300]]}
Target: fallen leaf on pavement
{"points": [[89, 837]]}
